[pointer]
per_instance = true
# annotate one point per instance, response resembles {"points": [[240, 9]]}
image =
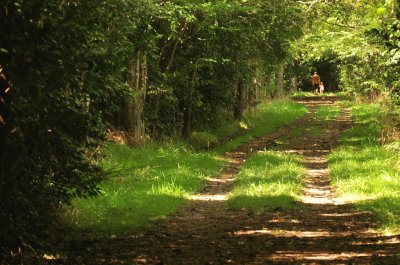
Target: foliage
{"points": [[205, 52], [64, 64], [64, 74], [203, 140], [65, 70], [353, 42]]}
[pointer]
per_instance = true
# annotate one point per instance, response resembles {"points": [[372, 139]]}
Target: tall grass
{"points": [[268, 180], [367, 173], [143, 184]]}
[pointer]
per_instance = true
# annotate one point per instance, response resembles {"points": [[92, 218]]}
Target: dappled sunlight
{"points": [[268, 179], [263, 207], [316, 200], [227, 179], [48, 256], [317, 172], [296, 237], [208, 197], [310, 152], [209, 234], [317, 256], [296, 234], [341, 214]]}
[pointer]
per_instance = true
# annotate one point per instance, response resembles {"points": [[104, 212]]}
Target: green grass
{"points": [[367, 173], [268, 180], [302, 131], [266, 118], [327, 112], [300, 94], [144, 184], [303, 94]]}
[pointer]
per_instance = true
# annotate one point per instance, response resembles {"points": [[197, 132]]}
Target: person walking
{"points": [[315, 80]]}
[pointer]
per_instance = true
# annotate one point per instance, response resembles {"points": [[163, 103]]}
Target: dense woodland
{"points": [[71, 71]]}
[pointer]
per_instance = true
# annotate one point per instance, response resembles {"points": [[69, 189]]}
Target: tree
{"points": [[61, 72], [69, 69], [209, 56], [348, 35]]}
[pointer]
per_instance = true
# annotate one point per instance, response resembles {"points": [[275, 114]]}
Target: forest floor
{"points": [[321, 229]]}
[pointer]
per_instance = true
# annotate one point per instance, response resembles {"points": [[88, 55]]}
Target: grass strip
{"points": [[366, 172], [268, 180]]}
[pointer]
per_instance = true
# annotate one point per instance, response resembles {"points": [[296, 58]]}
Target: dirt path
{"points": [[323, 230]]}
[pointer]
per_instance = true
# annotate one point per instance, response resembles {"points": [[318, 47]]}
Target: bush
{"points": [[203, 140], [58, 69]]}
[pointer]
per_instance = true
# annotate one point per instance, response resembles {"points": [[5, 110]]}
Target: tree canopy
{"points": [[359, 38]]}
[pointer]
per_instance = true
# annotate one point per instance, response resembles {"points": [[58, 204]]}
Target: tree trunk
{"points": [[187, 121], [267, 86], [169, 65], [253, 88], [187, 111], [295, 84], [4, 90], [279, 81], [254, 93], [137, 81], [240, 93]]}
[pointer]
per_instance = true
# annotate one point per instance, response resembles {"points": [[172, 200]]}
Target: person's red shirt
{"points": [[315, 79]]}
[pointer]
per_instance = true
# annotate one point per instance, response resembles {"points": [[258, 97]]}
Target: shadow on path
{"points": [[322, 229]]}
